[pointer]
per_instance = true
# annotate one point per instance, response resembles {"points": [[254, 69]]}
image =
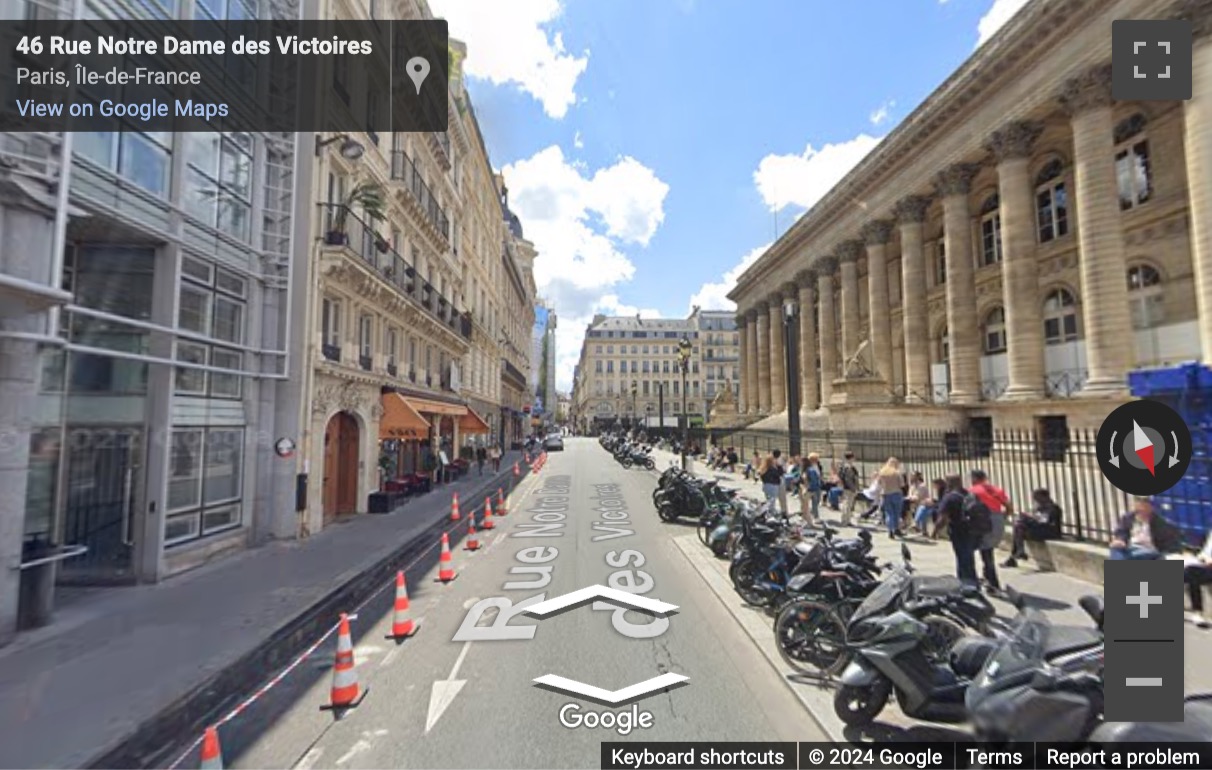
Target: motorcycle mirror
{"points": [[1043, 681]]}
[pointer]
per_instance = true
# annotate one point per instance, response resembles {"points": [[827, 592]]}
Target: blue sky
{"points": [[654, 147]]}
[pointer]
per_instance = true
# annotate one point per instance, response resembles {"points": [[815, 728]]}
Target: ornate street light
{"points": [[684, 350]]}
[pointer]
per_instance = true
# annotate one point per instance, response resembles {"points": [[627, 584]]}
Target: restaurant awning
{"points": [[400, 419], [426, 406], [473, 423]]}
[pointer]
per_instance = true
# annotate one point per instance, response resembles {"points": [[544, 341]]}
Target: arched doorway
{"points": [[340, 466]]}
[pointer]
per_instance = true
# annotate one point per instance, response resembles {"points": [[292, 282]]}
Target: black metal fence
{"points": [[1020, 461]]}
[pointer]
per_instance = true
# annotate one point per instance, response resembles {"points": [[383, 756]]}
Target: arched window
{"points": [[993, 332], [1060, 317], [1145, 296], [1132, 169], [1051, 202], [991, 231]]}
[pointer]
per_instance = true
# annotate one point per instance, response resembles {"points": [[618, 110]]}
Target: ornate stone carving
{"points": [[825, 266], [956, 179], [1199, 13], [860, 365], [759, 307], [790, 290], [912, 209], [751, 314], [1014, 140], [877, 232], [741, 319], [376, 411], [806, 278], [1087, 91], [849, 251]]}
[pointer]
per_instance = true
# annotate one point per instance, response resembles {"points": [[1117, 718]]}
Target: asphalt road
{"points": [[498, 717]]}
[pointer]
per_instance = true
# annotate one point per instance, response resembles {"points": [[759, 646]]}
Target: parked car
{"points": [[554, 443]]}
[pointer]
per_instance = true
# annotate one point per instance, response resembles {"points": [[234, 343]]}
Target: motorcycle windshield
{"points": [[1021, 651], [884, 597]]}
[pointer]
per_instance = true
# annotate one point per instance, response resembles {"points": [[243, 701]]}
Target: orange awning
{"points": [[425, 406], [400, 419], [473, 423]]}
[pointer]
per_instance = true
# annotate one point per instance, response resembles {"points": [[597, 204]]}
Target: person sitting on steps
{"points": [[1042, 523], [1144, 535]]}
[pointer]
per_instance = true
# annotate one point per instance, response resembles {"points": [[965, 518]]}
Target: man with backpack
{"points": [[953, 510], [848, 476], [991, 504]]}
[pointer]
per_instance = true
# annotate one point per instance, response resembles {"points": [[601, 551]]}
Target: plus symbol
{"points": [[1144, 599]]}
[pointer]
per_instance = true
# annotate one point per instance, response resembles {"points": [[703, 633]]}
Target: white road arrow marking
{"points": [[574, 687], [445, 690], [557, 603], [1174, 455], [1114, 457]]}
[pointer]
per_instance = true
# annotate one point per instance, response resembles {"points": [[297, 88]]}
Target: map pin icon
{"points": [[418, 69]]}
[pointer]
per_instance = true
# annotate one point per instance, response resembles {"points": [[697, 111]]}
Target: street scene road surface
{"points": [[455, 696]]}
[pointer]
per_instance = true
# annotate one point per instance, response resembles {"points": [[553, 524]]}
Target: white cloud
{"points": [[880, 114], [714, 296], [998, 14], [579, 224], [509, 43], [802, 180], [578, 142]]}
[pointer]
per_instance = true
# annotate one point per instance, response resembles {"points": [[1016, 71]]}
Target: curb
{"points": [[155, 740]]}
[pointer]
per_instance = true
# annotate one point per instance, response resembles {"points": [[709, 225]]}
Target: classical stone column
{"points": [[778, 352], [751, 366], [1100, 236], [809, 394], [743, 369], [954, 184], [848, 255], [911, 212], [1197, 134], [827, 329], [1011, 147], [876, 235], [763, 347]]}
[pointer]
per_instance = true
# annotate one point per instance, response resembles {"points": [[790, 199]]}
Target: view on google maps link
{"points": [[534, 384]]}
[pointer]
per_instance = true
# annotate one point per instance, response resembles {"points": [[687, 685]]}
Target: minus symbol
{"points": [[1143, 681]]}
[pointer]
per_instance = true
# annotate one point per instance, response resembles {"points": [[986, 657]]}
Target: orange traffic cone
{"points": [[487, 522], [345, 690], [402, 625], [515, 470], [501, 510], [473, 542], [454, 507], [446, 571], [212, 757]]}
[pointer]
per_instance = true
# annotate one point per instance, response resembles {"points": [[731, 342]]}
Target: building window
{"points": [[1132, 169], [1051, 202], [205, 482], [645, 367], [994, 333], [610, 350], [991, 231], [598, 366], [1060, 317], [1145, 297], [211, 304], [665, 367], [218, 181], [390, 347], [940, 263], [330, 329], [944, 346], [610, 367], [633, 367]]}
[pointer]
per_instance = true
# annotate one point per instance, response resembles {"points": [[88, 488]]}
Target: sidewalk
{"points": [[1053, 592], [123, 672]]}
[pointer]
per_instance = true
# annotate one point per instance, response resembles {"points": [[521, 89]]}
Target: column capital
{"points": [[911, 209], [1199, 13], [825, 266], [1014, 140], [849, 251], [759, 307], [741, 318], [956, 179], [1087, 91], [877, 232], [806, 278], [790, 290], [774, 301]]}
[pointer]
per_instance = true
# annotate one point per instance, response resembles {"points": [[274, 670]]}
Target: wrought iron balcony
{"points": [[366, 362], [404, 170], [331, 352], [1066, 383], [391, 368]]}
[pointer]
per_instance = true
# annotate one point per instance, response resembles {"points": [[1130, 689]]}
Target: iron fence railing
{"points": [[1020, 461]]}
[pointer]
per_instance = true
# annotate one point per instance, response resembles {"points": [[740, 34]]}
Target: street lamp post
{"points": [[661, 406], [635, 418], [790, 342], [684, 365]]}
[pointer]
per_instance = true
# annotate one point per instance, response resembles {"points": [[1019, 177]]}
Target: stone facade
{"points": [[1023, 240]]}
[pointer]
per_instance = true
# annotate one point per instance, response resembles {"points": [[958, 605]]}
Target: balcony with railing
{"points": [[359, 237], [404, 171]]}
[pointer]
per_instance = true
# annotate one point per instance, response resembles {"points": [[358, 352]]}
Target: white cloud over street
{"points": [[998, 14], [802, 179], [714, 296], [510, 44]]}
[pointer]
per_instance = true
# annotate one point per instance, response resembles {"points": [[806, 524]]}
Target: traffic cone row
{"points": [[516, 472], [454, 507], [346, 693], [501, 510], [446, 571], [473, 542], [402, 624], [487, 522]]}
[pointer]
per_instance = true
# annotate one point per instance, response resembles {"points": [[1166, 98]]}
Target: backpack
{"points": [[976, 516], [848, 475]]}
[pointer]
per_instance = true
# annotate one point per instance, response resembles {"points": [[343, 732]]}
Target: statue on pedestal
{"points": [[860, 365]]}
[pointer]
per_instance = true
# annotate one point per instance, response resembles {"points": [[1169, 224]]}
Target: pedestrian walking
{"points": [[998, 503], [848, 475], [952, 510], [771, 476], [892, 495], [810, 494], [494, 454], [781, 461], [481, 457]]}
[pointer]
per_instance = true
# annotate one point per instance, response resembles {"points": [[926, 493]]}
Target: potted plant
{"points": [[367, 196]]}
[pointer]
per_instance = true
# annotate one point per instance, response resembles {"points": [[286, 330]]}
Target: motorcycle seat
{"points": [[803, 549], [1064, 640], [935, 585]]}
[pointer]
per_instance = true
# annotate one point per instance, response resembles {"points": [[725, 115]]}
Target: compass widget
{"points": [[1144, 447]]}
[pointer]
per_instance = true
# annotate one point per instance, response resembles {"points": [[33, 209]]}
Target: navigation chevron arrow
{"points": [[613, 697], [592, 593]]}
